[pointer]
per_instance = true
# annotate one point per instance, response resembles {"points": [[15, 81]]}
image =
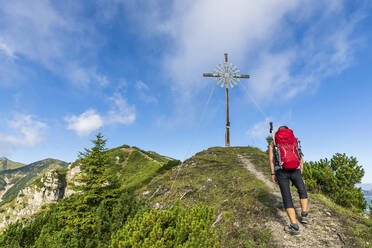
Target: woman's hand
{"points": [[273, 177]]}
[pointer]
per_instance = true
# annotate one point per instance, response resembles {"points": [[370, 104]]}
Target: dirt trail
{"points": [[130, 150], [323, 230]]}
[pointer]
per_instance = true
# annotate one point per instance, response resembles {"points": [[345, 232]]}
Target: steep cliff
{"points": [[30, 187], [48, 188]]}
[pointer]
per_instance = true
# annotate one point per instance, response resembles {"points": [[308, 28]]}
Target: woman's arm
{"points": [[271, 157], [271, 160], [302, 163]]}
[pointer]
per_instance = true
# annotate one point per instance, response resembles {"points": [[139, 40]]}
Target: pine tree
{"points": [[337, 178], [94, 163]]}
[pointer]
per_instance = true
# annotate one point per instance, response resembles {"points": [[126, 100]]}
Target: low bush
{"points": [[336, 178], [175, 227]]}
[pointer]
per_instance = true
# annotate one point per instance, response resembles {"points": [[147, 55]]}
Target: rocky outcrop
{"points": [[49, 188], [73, 173]]}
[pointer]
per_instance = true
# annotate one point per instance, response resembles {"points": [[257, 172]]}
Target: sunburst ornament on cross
{"points": [[226, 75]]}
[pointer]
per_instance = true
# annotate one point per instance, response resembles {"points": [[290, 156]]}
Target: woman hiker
{"points": [[286, 164]]}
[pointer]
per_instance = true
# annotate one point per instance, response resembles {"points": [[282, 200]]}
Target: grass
{"points": [[138, 170], [136, 167], [216, 178], [120, 153], [359, 228]]}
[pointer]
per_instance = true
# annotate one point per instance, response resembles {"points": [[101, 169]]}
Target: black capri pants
{"points": [[283, 177]]}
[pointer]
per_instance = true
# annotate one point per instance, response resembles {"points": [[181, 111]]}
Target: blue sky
{"points": [[133, 70]]}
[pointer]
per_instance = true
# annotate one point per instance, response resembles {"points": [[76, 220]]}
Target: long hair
{"points": [[283, 127]]}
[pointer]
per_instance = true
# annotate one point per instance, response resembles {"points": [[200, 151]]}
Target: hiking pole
{"points": [[271, 130], [276, 148]]}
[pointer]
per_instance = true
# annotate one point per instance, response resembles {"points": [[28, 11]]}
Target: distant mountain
{"points": [[367, 192], [15, 178], [368, 196], [6, 164], [28, 188]]}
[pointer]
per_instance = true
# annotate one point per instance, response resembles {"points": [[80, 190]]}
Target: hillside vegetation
{"points": [[6, 164], [127, 197], [18, 178]]}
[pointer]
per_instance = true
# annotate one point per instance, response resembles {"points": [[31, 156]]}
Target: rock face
{"points": [[13, 180], [49, 188], [72, 175]]}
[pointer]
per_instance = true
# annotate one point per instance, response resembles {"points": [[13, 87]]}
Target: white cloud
{"points": [[204, 30], [85, 123], [6, 49], [27, 131], [102, 80], [121, 112], [141, 86], [47, 34], [260, 129], [320, 53], [286, 46], [144, 93]]}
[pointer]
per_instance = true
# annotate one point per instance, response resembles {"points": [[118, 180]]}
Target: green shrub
{"points": [[336, 178], [169, 165], [175, 227]]}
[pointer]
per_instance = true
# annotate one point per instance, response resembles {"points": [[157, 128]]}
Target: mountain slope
{"points": [[36, 185], [16, 179], [216, 177], [236, 182], [152, 201], [6, 164]]}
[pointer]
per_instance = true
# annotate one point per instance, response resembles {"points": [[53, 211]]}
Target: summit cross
{"points": [[227, 75]]}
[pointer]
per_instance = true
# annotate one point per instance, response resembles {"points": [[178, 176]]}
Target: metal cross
{"points": [[227, 75]]}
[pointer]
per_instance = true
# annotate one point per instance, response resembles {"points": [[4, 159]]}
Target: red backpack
{"points": [[287, 148]]}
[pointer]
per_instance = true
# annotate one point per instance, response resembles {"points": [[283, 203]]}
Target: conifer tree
{"points": [[94, 163], [336, 178]]}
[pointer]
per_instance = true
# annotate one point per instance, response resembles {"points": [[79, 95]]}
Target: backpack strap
{"points": [[278, 160], [298, 149]]}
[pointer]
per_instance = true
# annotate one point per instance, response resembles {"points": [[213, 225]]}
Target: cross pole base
{"points": [[227, 137]]}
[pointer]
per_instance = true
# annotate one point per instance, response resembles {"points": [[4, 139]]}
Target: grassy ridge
{"points": [[136, 168], [6, 164], [217, 179]]}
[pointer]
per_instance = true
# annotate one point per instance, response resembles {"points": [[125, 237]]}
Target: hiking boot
{"points": [[304, 219], [292, 230]]}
